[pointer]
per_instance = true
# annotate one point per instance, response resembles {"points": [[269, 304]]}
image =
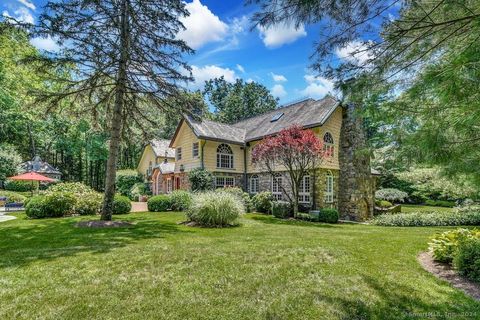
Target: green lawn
{"points": [[416, 208], [264, 269]]}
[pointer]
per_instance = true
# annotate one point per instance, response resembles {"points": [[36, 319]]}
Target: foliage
{"points": [[200, 179], [215, 209], [159, 203], [125, 180], [121, 205], [243, 196], [440, 203], [420, 219], [9, 161], [467, 258], [263, 202], [236, 101], [53, 204], [393, 195], [137, 190], [36, 207], [444, 245], [294, 148], [281, 209], [328, 215], [87, 201], [383, 203], [12, 196], [18, 185], [180, 200]]}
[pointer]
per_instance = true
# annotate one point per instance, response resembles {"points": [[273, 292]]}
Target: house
{"points": [[225, 150], [156, 152], [42, 167]]}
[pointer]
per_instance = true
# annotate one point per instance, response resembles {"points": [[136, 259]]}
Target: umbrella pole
{"points": [[32, 188]]}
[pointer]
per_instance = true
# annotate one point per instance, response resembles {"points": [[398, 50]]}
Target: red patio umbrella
{"points": [[32, 176]]}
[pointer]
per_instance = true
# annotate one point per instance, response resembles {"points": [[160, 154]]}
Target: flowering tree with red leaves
{"points": [[295, 150]]}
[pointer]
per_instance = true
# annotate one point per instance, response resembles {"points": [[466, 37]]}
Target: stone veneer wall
{"points": [[356, 197]]}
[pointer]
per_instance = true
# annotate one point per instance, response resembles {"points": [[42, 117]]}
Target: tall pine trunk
{"points": [[116, 124]]}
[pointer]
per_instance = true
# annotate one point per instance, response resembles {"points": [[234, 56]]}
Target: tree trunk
{"points": [[116, 124]]}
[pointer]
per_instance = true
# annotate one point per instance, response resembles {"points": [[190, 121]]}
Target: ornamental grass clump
{"points": [[215, 209]]}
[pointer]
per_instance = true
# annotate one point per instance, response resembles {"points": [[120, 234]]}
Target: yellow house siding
{"points": [[147, 157], [185, 139], [210, 157]]}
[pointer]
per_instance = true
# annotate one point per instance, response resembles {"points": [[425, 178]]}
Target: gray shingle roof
{"points": [[307, 113], [166, 167], [159, 146], [39, 167]]}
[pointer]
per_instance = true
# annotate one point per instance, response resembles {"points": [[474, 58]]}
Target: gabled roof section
{"points": [[307, 113], [39, 166], [160, 146], [165, 167], [211, 130]]}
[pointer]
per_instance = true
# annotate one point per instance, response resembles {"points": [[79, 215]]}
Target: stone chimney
{"points": [[356, 188]]}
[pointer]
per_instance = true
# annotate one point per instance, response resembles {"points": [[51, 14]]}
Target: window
{"points": [[169, 185], [195, 149], [277, 187], [328, 146], [254, 184], [304, 191], [329, 187], [224, 157], [179, 153], [222, 182]]}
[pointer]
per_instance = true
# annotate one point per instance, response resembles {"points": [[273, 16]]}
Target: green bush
{"points": [[440, 203], [138, 189], [159, 203], [180, 200], [263, 202], [390, 194], [13, 196], [305, 216], [19, 186], [383, 203], [121, 205], [281, 209], [444, 245], [200, 180], [328, 215], [243, 196], [87, 200], [467, 259], [215, 209], [456, 218], [55, 204], [36, 207], [125, 180]]}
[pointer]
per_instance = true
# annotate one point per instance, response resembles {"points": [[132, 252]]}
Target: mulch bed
{"points": [[445, 272], [103, 224]]}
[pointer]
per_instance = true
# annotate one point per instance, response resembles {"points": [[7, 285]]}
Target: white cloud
{"points": [[239, 25], [317, 87], [240, 68], [45, 44], [22, 14], [27, 4], [354, 52], [205, 73], [202, 26], [278, 77], [281, 34], [278, 91], [249, 80]]}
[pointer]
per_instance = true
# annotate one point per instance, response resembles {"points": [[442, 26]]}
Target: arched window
{"points": [[328, 145], [277, 186], [329, 187], [254, 184], [224, 157]]}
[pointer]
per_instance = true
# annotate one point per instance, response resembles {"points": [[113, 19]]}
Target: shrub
{"points": [[19, 186], [121, 205], [180, 200], [428, 219], [393, 195], [467, 259], [215, 209], [89, 205], [305, 216], [13, 196], [440, 203], [242, 196], [200, 180], [383, 203], [137, 190], [36, 208], [281, 209], [159, 203], [87, 200], [328, 215], [444, 245], [263, 202], [125, 180], [55, 204]]}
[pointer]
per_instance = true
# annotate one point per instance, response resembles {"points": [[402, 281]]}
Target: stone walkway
{"points": [[139, 207], [4, 218]]}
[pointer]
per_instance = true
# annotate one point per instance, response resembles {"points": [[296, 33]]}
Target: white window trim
{"points": [[197, 148], [304, 194], [229, 156], [224, 181], [179, 153], [329, 188], [254, 184], [278, 194], [169, 185]]}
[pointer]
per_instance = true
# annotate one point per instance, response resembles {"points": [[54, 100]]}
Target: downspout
{"points": [[245, 182], [202, 163]]}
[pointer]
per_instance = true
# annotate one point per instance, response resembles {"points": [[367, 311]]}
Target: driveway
{"points": [[139, 207]]}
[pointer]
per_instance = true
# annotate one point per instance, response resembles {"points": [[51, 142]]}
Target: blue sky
{"points": [[220, 33]]}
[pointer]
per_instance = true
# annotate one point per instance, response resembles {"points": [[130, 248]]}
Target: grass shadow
{"points": [[272, 220]]}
